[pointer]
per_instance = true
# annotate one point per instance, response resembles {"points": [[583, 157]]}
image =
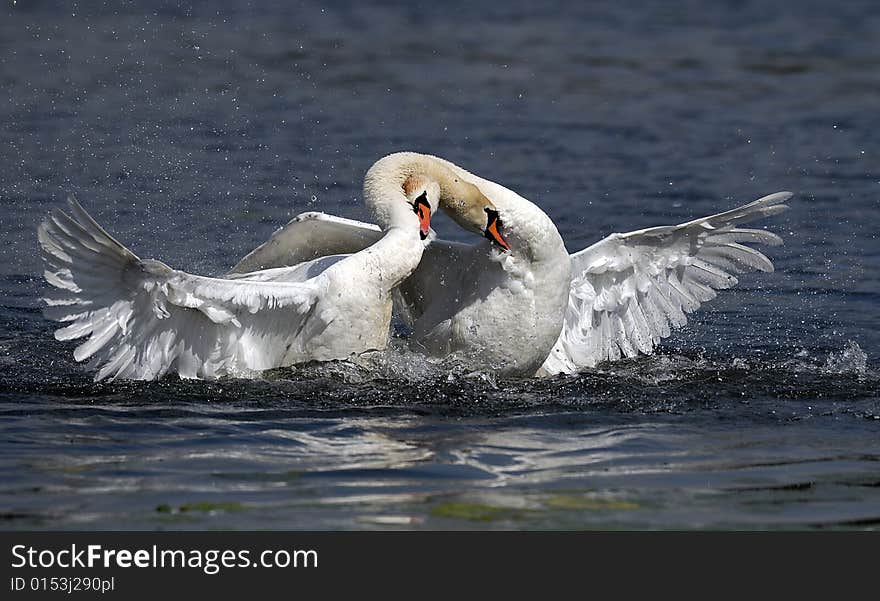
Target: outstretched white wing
{"points": [[145, 319], [310, 236], [629, 290]]}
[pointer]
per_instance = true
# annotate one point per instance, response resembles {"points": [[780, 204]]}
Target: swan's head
{"points": [[423, 195], [472, 210], [400, 199], [404, 189]]}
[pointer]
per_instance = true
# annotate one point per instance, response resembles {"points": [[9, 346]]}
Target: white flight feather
{"points": [[630, 290]]}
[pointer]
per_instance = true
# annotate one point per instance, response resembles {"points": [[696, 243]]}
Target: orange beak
{"points": [[423, 210], [492, 232]]}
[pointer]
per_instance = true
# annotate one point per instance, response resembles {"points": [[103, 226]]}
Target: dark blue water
{"points": [[193, 132]]}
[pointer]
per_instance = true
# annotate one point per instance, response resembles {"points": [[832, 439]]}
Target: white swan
{"points": [[535, 309], [145, 319]]}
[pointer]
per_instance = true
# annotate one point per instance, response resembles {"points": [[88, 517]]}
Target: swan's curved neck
{"points": [[384, 195], [400, 249], [395, 256], [384, 184], [530, 231]]}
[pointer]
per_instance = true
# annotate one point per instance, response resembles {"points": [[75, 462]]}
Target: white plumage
{"points": [[628, 291], [143, 319], [537, 308], [321, 287]]}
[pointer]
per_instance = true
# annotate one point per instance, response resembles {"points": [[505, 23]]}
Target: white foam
{"points": [[852, 359]]}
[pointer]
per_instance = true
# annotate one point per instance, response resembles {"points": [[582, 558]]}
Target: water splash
{"points": [[851, 360]]}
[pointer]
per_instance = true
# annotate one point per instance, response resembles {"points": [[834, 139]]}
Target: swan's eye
{"points": [[422, 200]]}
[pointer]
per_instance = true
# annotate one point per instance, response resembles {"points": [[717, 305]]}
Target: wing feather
{"points": [[630, 290], [309, 236], [143, 319]]}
